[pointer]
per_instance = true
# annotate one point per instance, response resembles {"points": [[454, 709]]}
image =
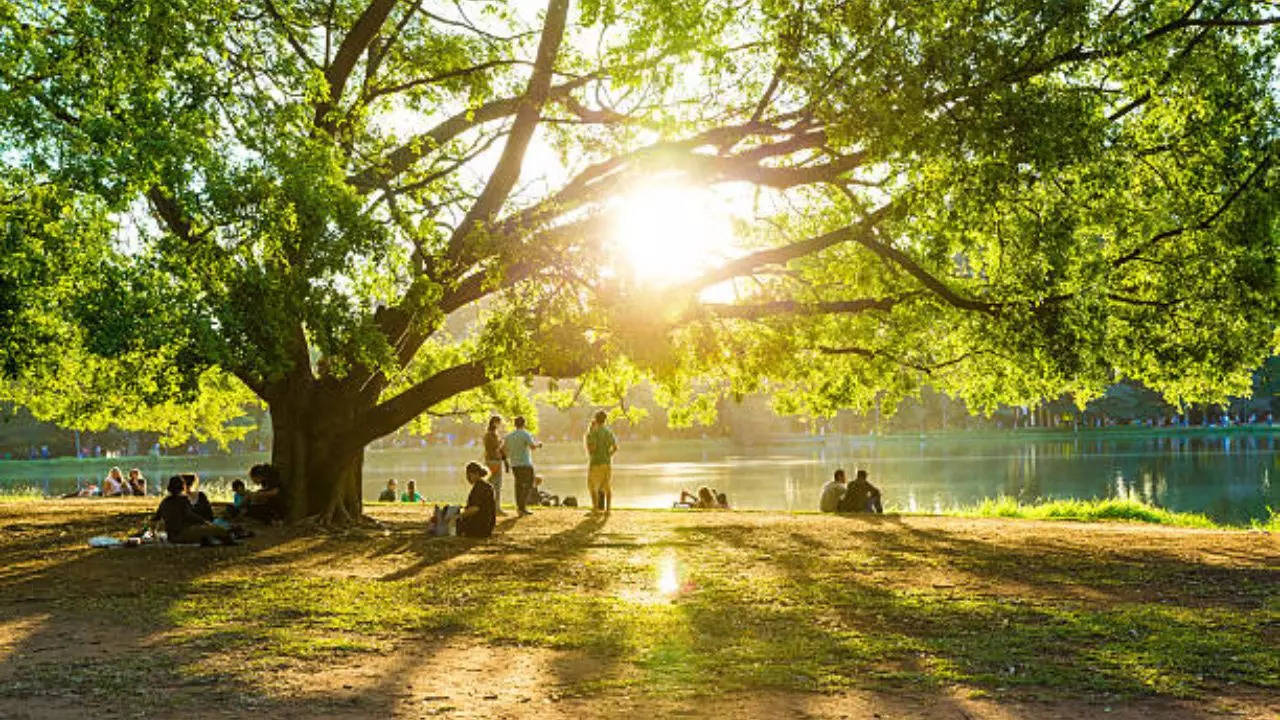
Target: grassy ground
{"points": [[569, 614]]}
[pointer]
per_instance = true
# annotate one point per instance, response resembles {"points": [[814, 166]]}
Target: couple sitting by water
{"points": [[859, 496], [115, 484]]}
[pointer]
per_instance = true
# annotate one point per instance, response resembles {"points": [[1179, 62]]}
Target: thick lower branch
{"points": [[391, 414]]}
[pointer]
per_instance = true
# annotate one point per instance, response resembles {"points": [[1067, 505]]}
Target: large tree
{"points": [[366, 211]]}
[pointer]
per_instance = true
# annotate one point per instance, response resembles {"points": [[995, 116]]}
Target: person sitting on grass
{"points": [[704, 500], [480, 515], [181, 523], [239, 499], [268, 503], [722, 501], [861, 496], [538, 497], [389, 493], [113, 485], [199, 501], [137, 483], [832, 492], [410, 494]]}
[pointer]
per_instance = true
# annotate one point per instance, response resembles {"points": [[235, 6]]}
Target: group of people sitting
{"points": [[536, 495], [115, 484], [188, 516], [855, 497], [705, 499]]}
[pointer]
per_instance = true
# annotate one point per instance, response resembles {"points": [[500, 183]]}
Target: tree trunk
{"points": [[315, 448]]}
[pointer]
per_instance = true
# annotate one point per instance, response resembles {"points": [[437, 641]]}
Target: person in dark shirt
{"points": [[389, 494], [137, 483], [267, 504], [181, 522], [199, 501], [861, 496], [478, 517]]}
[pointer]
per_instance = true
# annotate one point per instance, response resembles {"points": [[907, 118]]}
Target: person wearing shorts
{"points": [[601, 445]]}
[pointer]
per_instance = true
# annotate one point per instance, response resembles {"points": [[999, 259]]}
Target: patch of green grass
{"points": [[1083, 511], [785, 620], [704, 603], [21, 493], [1270, 524]]}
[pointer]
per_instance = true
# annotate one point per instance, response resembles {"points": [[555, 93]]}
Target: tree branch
{"points": [[1204, 224], [796, 307], [300, 51], [402, 158], [507, 171], [352, 46], [394, 412]]}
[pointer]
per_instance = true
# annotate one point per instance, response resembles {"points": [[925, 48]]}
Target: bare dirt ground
{"points": [[109, 633]]}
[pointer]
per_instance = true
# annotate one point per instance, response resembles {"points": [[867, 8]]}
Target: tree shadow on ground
{"points": [[1185, 642]]}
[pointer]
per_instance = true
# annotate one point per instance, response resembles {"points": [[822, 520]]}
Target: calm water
{"points": [[1227, 475]]}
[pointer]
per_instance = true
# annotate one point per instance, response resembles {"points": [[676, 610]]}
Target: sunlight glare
{"points": [[667, 234], [668, 580]]}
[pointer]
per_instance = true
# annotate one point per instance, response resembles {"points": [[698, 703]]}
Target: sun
{"points": [[667, 234]]}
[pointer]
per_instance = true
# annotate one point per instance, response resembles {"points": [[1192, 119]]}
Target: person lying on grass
{"points": [[480, 514], [704, 500], [182, 523]]}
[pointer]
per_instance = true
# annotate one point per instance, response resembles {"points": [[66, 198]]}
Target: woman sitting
{"points": [[410, 494], [137, 484], [114, 484], [268, 503], [199, 501]]}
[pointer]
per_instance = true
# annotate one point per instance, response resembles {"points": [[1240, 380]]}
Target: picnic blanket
{"points": [[107, 542]]}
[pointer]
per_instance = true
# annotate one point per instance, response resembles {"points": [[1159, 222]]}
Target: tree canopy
{"points": [[366, 211]]}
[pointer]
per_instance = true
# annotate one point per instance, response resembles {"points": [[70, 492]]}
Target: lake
{"points": [[1225, 474]]}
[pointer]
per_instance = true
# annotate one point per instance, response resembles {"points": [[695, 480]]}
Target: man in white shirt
{"points": [[832, 492]]}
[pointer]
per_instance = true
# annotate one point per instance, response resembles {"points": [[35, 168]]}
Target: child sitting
{"points": [[239, 499]]}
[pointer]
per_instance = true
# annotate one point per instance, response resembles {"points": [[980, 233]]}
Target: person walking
{"points": [[601, 445], [495, 456], [519, 446]]}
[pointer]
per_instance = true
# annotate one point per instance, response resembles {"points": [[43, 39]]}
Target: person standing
{"points": [[601, 445], [520, 445], [832, 492], [495, 455]]}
